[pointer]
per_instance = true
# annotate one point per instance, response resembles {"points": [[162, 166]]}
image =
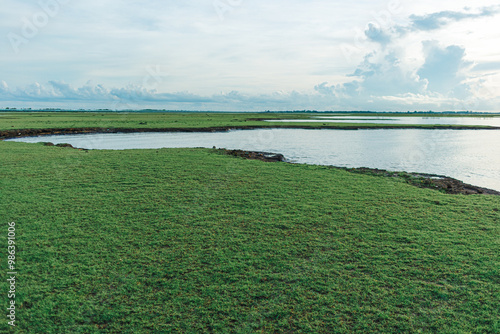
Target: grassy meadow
{"points": [[196, 241], [45, 120]]}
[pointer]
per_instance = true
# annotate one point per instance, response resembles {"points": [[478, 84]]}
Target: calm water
{"points": [[472, 156], [410, 120]]}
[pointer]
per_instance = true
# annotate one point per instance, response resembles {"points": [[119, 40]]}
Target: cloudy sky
{"points": [[394, 55]]}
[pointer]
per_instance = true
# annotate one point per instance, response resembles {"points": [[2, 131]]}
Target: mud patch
{"points": [[431, 181], [262, 156], [65, 145]]}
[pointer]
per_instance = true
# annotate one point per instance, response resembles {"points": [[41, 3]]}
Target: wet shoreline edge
{"points": [[422, 180], [18, 133]]}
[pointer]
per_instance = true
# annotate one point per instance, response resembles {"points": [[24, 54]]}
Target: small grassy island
{"points": [[199, 241]]}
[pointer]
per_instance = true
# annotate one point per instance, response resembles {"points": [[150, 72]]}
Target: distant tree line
{"points": [[267, 111]]}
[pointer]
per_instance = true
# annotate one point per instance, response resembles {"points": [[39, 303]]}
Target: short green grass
{"points": [[194, 241], [44, 120]]}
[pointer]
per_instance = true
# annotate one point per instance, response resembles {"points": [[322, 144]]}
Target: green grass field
{"points": [[43, 120], [195, 241]]}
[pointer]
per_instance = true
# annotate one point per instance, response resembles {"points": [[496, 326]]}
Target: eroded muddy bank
{"points": [[262, 156], [8, 134], [431, 181], [421, 180], [18, 133]]}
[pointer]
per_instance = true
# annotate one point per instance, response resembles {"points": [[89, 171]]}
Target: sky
{"points": [[241, 55]]}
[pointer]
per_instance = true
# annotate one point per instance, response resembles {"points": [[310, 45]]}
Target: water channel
{"points": [[472, 156]]}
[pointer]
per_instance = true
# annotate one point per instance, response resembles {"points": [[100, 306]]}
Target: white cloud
{"points": [[436, 76], [444, 68], [440, 19], [376, 34], [384, 76], [3, 87]]}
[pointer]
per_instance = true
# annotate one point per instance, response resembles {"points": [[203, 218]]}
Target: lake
{"points": [[472, 156], [404, 120]]}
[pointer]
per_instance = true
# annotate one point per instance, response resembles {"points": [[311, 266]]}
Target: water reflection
{"points": [[406, 120], [472, 156]]}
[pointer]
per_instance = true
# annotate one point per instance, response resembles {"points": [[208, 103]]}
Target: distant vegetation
{"points": [[7, 109], [169, 120]]}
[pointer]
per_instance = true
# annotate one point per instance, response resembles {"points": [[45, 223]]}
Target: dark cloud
{"points": [[87, 91], [137, 94], [137, 97], [59, 91]]}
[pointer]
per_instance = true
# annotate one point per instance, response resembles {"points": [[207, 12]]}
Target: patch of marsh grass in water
{"points": [[145, 120]]}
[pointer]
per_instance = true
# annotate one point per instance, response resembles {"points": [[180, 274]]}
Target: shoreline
{"points": [[19, 133], [422, 180]]}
